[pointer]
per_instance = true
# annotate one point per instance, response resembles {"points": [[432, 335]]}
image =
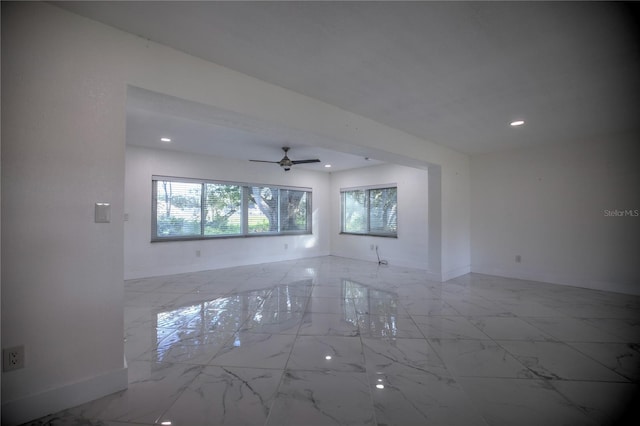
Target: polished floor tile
{"points": [[508, 402], [422, 307], [153, 387], [323, 324], [333, 341], [623, 358], [479, 358], [323, 353], [416, 399], [478, 306], [557, 360], [389, 326], [506, 328], [607, 403], [448, 327], [322, 398], [252, 349], [411, 356], [572, 330], [226, 396]]}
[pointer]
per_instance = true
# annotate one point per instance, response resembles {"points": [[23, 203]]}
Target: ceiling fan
{"points": [[286, 163]]}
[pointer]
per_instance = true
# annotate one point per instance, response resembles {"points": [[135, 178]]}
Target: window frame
{"points": [[367, 190], [244, 208]]}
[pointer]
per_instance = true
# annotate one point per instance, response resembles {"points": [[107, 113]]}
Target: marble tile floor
{"points": [[332, 341]]}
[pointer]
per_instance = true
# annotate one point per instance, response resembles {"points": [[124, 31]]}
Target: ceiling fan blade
{"points": [[263, 161], [305, 161]]}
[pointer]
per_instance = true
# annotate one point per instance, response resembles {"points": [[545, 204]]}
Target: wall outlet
{"points": [[13, 358], [518, 258], [373, 247], [286, 246], [197, 253]]}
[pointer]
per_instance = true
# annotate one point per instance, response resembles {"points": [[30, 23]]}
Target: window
{"points": [[263, 209], [223, 209], [370, 211], [178, 209], [293, 210], [184, 209]]}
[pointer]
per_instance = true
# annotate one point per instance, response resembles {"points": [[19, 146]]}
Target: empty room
{"points": [[320, 213]]}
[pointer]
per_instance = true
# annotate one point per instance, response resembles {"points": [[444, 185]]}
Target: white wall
{"points": [[64, 81], [456, 220], [547, 205], [63, 128], [411, 248], [144, 259]]}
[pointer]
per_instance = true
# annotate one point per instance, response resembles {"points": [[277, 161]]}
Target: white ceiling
{"points": [[454, 73], [201, 129]]}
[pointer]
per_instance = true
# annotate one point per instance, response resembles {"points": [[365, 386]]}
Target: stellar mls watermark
{"points": [[622, 213]]}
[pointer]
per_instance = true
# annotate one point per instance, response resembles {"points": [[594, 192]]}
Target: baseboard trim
{"points": [[456, 272], [572, 281], [51, 401], [198, 267]]}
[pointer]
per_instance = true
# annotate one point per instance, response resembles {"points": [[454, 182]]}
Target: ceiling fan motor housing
{"points": [[286, 162]]}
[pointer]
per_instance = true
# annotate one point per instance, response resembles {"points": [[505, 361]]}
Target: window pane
{"points": [[354, 213], [383, 211], [177, 209], [263, 209], [223, 209], [194, 209], [293, 210]]}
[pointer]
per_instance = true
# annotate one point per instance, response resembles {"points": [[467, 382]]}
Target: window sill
{"points": [[371, 235], [225, 237]]}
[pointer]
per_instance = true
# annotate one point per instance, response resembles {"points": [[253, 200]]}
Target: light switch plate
{"points": [[103, 213]]}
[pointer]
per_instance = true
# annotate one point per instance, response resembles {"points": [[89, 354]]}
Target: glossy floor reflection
{"points": [[331, 341]]}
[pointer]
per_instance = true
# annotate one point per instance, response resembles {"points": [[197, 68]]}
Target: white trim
{"points": [[51, 401], [455, 272], [551, 278], [228, 182], [368, 187]]}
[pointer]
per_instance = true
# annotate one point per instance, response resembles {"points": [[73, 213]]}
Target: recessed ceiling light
{"points": [[517, 123], [165, 139], [327, 165]]}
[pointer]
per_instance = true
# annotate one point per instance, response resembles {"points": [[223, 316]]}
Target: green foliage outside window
{"points": [[370, 211], [211, 209]]}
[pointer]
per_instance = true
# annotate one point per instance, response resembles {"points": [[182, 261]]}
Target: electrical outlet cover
{"points": [[13, 358]]}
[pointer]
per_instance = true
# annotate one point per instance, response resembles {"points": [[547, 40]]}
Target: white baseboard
{"points": [[159, 271], [568, 280], [51, 401], [455, 273]]}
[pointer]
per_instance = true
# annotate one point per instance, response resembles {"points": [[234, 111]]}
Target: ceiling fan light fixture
{"points": [[286, 162]]}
